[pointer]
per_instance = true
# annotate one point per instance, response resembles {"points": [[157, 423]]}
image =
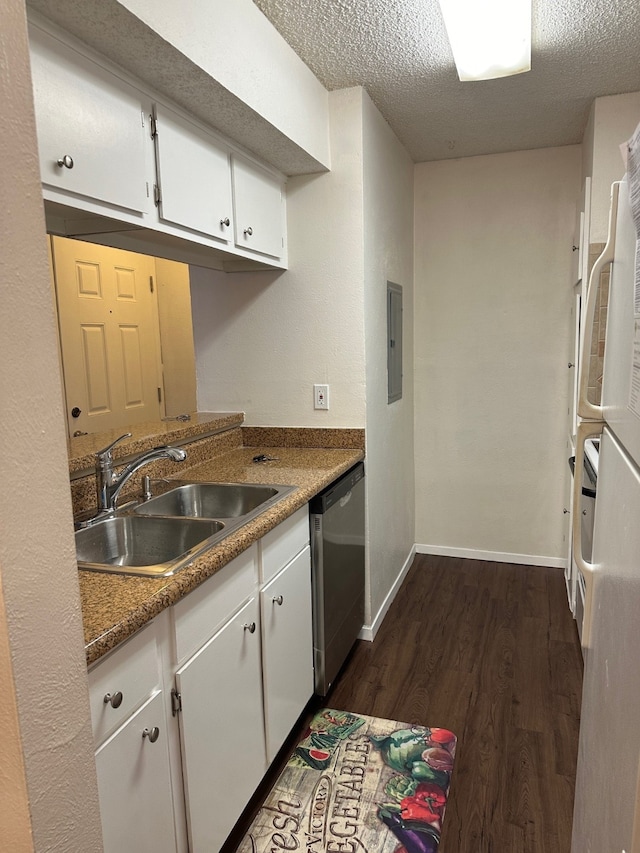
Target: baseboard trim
{"points": [[368, 632], [492, 556]]}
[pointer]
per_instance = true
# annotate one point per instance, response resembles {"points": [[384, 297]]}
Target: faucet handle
{"points": [[104, 455]]}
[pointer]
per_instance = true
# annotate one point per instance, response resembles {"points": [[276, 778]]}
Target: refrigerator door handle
{"points": [[586, 409], [589, 571]]}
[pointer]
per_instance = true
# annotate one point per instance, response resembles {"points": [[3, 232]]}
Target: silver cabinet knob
{"points": [[66, 162], [226, 221], [248, 231], [277, 599], [250, 627], [153, 734], [113, 699]]}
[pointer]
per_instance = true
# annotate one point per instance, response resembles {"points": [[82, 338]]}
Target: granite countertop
{"points": [[115, 606]]}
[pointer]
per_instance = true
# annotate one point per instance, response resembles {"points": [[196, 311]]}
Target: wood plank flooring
{"points": [[490, 651]]}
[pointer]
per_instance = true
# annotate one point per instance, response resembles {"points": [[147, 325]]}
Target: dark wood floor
{"points": [[490, 651]]}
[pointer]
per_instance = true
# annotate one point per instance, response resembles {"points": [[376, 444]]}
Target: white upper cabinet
{"points": [[193, 176], [196, 201], [259, 209], [91, 127]]}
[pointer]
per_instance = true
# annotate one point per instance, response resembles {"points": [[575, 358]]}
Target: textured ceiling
{"points": [[398, 50]]}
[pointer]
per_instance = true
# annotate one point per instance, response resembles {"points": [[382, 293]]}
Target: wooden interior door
{"points": [[108, 318]]}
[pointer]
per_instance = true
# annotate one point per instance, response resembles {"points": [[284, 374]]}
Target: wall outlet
{"points": [[320, 396]]}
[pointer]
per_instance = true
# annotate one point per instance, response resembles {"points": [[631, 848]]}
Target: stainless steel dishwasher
{"points": [[337, 572]]}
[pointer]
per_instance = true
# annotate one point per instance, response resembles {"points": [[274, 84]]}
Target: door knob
{"points": [[76, 412]]}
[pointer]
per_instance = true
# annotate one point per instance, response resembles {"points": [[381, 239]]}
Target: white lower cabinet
{"points": [[131, 733], [221, 729], [134, 783], [189, 713], [285, 606]]}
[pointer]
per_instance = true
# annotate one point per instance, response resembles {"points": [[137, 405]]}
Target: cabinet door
{"points": [[287, 649], [95, 120], [259, 217], [193, 175], [134, 784], [221, 729]]}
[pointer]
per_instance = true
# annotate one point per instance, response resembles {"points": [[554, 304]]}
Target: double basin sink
{"points": [[163, 534]]}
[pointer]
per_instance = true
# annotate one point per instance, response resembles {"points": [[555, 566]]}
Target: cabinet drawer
{"points": [[199, 615], [131, 670], [282, 543]]}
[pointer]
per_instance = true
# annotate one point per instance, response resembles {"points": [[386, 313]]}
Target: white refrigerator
{"points": [[607, 801]]}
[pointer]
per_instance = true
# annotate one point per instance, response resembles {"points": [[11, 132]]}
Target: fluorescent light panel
{"points": [[489, 38]]}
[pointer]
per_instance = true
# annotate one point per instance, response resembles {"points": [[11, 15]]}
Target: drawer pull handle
{"points": [[113, 699], [277, 599], [153, 734], [248, 231], [226, 221], [65, 162], [250, 627]]}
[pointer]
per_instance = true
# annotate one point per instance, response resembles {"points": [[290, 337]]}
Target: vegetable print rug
{"points": [[357, 783]]}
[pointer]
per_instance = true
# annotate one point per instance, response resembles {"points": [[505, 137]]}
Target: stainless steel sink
{"points": [[162, 535], [139, 545], [209, 500]]}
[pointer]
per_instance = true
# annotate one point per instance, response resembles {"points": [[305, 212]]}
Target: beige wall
{"points": [[45, 680], [388, 256], [15, 823], [176, 337], [493, 296]]}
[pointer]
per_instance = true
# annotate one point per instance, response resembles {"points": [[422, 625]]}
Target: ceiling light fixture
{"points": [[489, 38]]}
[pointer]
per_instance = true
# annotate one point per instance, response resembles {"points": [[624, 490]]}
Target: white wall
{"points": [[388, 256], [46, 727], [614, 119], [263, 339], [493, 240]]}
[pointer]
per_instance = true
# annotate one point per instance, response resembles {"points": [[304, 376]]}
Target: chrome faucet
{"points": [[108, 484]]}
